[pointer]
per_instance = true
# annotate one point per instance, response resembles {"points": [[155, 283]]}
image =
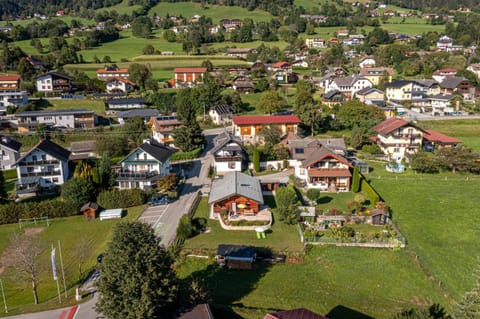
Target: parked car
{"points": [[164, 200]]}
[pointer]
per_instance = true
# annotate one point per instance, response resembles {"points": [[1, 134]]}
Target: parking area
{"points": [[152, 215]]}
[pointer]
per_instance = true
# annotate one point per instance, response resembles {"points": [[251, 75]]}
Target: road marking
{"points": [[75, 315], [157, 226]]}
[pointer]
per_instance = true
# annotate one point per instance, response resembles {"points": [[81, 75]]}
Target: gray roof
{"points": [[223, 139], [451, 82], [60, 75], [145, 113], [368, 90], [236, 183], [397, 84], [126, 101], [54, 112], [82, 146], [222, 109], [443, 97], [50, 148], [157, 150], [348, 80], [331, 94], [10, 143], [425, 82]]}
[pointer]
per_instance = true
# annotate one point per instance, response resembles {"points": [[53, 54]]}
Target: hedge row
{"points": [[11, 212], [186, 155], [370, 192], [10, 174], [121, 198]]}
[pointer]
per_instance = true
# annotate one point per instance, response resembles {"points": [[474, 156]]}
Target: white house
{"points": [[367, 61], [44, 166], [441, 104], [144, 166], [228, 154], [221, 114], [120, 85], [348, 85]]}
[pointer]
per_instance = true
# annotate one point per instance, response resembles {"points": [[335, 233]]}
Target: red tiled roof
{"points": [[281, 64], [189, 70], [123, 80], [116, 71], [329, 172], [434, 136], [390, 125], [13, 77], [266, 119], [445, 71]]}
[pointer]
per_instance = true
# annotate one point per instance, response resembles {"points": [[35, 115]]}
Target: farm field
{"points": [[217, 13], [466, 130], [69, 231]]}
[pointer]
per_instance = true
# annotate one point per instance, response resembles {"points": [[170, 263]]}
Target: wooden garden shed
{"points": [[89, 210], [236, 256]]}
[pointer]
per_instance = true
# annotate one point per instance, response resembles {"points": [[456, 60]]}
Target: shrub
{"points": [[371, 149], [121, 198], [256, 160], [186, 155], [360, 198], [313, 194], [334, 212], [185, 228]]}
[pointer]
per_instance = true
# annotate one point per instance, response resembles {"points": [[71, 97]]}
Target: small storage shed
{"points": [[111, 213], [379, 217], [89, 210], [236, 256]]}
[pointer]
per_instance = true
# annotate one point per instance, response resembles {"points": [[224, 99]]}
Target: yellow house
{"points": [[400, 90], [249, 128], [376, 75]]}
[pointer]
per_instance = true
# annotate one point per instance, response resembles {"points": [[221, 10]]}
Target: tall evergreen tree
{"points": [[137, 280]]}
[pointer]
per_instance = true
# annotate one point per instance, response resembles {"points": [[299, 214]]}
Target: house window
{"points": [[55, 179], [231, 165], [299, 151], [34, 157], [396, 150], [44, 157], [145, 156]]}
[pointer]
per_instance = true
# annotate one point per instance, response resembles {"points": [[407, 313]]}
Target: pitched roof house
{"points": [[249, 128], [349, 85], [221, 114], [236, 192], [144, 166], [145, 114], [201, 311], [162, 128], [454, 84], [43, 167], [10, 82], [399, 90], [119, 85], [377, 75], [398, 138], [110, 73], [188, 76], [53, 82], [228, 154], [9, 152], [82, 150]]}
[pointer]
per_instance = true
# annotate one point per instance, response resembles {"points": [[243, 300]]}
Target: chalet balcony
{"points": [[407, 136], [228, 158], [39, 163], [141, 176], [35, 174]]}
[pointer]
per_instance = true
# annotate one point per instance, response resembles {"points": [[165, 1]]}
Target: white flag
{"points": [[54, 265]]}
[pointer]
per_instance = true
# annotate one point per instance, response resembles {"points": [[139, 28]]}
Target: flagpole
{"points": [[3, 293], [55, 277], [63, 269]]}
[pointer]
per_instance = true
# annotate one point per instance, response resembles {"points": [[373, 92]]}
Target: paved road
{"points": [[411, 115]]}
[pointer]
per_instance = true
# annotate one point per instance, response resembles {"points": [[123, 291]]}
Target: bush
{"points": [[179, 156], [10, 174], [256, 160], [313, 194], [185, 228], [11, 212], [372, 149], [356, 180], [121, 198]]}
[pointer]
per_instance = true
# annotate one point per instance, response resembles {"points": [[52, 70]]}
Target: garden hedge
{"points": [[356, 180], [11, 212], [121, 198], [179, 156], [370, 192]]}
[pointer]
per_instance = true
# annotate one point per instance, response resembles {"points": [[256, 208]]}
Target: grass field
{"points": [[217, 13], [466, 130], [435, 213], [97, 106], [162, 66], [69, 231], [122, 8]]}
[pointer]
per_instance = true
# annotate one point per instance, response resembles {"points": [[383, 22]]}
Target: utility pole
{"points": [[63, 269]]}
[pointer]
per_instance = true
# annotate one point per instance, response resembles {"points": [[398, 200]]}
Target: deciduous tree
{"points": [[271, 102]]}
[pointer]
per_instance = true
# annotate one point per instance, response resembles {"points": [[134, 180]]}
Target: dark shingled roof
{"points": [[397, 84], [452, 82], [223, 139], [50, 148], [201, 311], [157, 150], [145, 113], [322, 153], [10, 143], [223, 109], [236, 251]]}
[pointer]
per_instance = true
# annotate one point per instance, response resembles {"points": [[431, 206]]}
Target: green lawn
{"points": [[69, 231], [466, 130], [122, 8], [344, 282], [282, 238], [97, 106], [189, 9], [436, 213]]}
